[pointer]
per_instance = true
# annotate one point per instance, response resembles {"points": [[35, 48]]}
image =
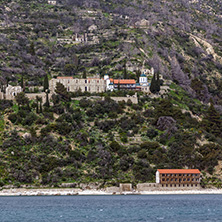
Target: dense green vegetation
{"points": [[104, 141]]}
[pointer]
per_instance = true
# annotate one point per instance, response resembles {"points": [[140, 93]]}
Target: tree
{"points": [[155, 84], [46, 83], [22, 99], [70, 69], [32, 49], [84, 74], [124, 71], [212, 121], [22, 83], [47, 99], [62, 91]]}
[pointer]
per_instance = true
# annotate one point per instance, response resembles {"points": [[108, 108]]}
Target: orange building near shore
{"points": [[178, 177]]}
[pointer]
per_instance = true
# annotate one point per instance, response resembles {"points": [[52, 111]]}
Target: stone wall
{"points": [[32, 96], [160, 187], [133, 99]]}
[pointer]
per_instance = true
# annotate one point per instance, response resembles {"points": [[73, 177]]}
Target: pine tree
{"points": [[212, 121], [46, 83], [62, 91]]}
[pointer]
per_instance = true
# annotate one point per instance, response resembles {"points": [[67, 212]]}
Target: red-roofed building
{"points": [[178, 177], [64, 77], [123, 83]]}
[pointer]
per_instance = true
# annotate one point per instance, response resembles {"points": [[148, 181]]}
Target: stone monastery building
{"points": [[100, 85]]}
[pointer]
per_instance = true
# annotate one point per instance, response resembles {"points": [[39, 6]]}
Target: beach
{"points": [[72, 192]]}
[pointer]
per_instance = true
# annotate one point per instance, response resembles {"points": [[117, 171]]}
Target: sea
{"points": [[123, 208]]}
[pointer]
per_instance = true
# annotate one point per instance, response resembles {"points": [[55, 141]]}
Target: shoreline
{"points": [[80, 192]]}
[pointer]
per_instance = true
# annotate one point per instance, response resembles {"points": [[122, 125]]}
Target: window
{"points": [[183, 185], [188, 185], [163, 179], [188, 179], [85, 81], [85, 89], [179, 175], [163, 175], [168, 174], [175, 185], [184, 179], [188, 175], [171, 185], [197, 179], [176, 179], [167, 179], [77, 81], [166, 185], [192, 179], [192, 174], [171, 180]]}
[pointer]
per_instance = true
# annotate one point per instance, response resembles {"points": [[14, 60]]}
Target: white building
{"points": [[52, 2], [10, 92]]}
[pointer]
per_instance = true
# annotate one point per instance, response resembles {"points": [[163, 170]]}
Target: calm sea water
{"points": [[112, 208]]}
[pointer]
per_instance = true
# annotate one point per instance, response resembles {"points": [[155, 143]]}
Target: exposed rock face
{"points": [[166, 123]]}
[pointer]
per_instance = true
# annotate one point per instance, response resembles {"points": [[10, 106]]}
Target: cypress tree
{"points": [[47, 99], [22, 83], [124, 71], [46, 83], [155, 84], [152, 84], [40, 109], [37, 104], [158, 83]]}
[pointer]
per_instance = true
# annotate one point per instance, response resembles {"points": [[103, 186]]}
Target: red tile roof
{"points": [[124, 81], [178, 171], [64, 77]]}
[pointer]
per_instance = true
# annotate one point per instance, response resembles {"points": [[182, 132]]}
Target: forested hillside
{"points": [[86, 140]]}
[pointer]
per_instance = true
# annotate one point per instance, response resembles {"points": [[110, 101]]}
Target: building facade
{"points": [[84, 85], [178, 177], [10, 92]]}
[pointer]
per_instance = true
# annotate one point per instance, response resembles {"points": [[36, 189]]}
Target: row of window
{"points": [[175, 185], [86, 89], [184, 179], [179, 175], [124, 85], [86, 81]]}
